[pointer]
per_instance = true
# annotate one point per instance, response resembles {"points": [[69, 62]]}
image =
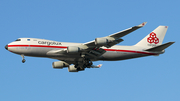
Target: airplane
{"points": [[79, 56]]}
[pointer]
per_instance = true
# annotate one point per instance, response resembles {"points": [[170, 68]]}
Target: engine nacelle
{"points": [[59, 64], [72, 68], [101, 41], [73, 49]]}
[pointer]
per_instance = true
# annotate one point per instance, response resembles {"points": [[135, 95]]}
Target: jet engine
{"points": [[59, 64], [103, 41], [73, 49], [72, 68]]}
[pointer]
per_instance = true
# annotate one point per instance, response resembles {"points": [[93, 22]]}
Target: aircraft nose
{"points": [[6, 47]]}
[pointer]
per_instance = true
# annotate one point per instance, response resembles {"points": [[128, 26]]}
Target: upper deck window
{"points": [[18, 40], [28, 39]]}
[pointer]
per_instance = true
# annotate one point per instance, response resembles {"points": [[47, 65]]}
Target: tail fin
{"points": [[153, 39]]}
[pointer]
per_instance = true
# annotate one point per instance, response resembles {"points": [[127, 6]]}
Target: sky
{"points": [[153, 78]]}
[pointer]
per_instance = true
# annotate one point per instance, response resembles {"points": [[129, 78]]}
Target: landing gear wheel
{"points": [[23, 60], [83, 63], [88, 63], [76, 66]]}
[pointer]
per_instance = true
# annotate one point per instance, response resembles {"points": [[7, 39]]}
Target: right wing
{"points": [[112, 39], [93, 48], [127, 31]]}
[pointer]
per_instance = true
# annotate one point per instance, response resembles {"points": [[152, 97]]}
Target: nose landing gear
{"points": [[23, 60]]}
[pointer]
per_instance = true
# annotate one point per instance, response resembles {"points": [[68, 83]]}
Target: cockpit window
{"points": [[18, 40]]}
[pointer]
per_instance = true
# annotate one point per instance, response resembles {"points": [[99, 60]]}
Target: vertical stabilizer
{"points": [[154, 38]]}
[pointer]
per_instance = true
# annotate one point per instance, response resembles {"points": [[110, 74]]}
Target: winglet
{"points": [[98, 66], [143, 24]]}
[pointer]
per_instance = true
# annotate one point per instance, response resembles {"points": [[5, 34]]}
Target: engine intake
{"points": [[59, 64]]}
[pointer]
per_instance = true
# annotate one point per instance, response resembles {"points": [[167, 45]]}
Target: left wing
{"points": [[98, 66]]}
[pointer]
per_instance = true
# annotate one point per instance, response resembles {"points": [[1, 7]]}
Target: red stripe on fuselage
{"points": [[130, 51], [118, 50], [37, 46], [18, 45], [48, 46]]}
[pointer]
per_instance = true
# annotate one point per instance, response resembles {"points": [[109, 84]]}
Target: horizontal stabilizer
{"points": [[160, 47]]}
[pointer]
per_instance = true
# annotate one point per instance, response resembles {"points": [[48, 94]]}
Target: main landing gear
{"points": [[23, 60], [84, 63]]}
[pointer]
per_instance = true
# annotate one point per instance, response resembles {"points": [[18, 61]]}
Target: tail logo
{"points": [[152, 38]]}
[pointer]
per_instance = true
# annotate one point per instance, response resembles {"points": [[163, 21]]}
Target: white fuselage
{"points": [[40, 47], [78, 56]]}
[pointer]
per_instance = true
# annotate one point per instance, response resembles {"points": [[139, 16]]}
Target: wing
{"points": [[127, 31], [93, 48], [113, 39]]}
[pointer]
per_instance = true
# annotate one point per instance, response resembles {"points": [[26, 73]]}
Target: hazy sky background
{"points": [[153, 78]]}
